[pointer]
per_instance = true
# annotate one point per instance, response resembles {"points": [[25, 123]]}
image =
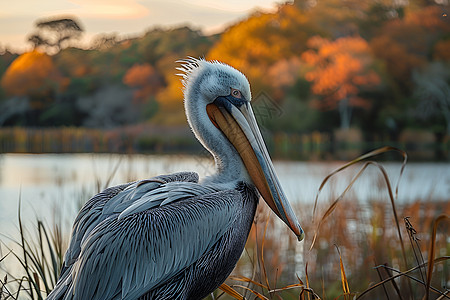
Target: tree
{"points": [[170, 103], [55, 34], [157, 44], [283, 75], [338, 71], [144, 79], [259, 42], [433, 92], [336, 17], [6, 58], [35, 77], [442, 50], [32, 74], [407, 44], [105, 41], [109, 107]]}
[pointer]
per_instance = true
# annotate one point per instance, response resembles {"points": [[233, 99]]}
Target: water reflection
{"points": [[42, 181]]}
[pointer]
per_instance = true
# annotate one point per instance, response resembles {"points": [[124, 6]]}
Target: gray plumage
{"points": [[158, 252], [173, 236]]}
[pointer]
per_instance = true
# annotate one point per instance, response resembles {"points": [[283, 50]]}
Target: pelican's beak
{"points": [[237, 121]]}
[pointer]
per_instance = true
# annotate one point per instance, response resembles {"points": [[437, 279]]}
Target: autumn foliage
{"points": [[145, 79], [339, 69], [262, 40], [32, 73], [324, 64]]}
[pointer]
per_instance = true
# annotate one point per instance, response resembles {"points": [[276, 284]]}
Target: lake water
{"points": [[50, 187], [45, 183]]}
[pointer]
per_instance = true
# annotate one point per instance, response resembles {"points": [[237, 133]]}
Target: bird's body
{"points": [[173, 237], [214, 266]]}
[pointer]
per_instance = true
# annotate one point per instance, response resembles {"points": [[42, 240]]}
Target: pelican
{"points": [[173, 236]]}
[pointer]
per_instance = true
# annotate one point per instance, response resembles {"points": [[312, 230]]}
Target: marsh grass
{"points": [[380, 265], [40, 256], [355, 250]]}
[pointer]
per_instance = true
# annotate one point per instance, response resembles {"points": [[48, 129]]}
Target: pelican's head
{"points": [[217, 101]]}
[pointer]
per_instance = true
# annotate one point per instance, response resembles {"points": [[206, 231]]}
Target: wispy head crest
{"points": [[220, 75], [187, 66]]}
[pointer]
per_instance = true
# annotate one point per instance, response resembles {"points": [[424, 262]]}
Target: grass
{"points": [[40, 257], [372, 243], [364, 270], [375, 250]]}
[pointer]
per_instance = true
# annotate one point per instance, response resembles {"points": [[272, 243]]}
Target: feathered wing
{"points": [[123, 246], [89, 216], [128, 257], [109, 202]]}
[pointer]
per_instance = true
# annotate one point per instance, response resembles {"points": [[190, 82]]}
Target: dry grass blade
{"points": [[246, 279], [392, 197], [431, 251], [345, 287], [381, 279], [359, 159], [394, 211], [230, 291], [325, 215], [414, 241], [443, 295], [323, 288], [439, 259], [4, 292], [36, 279], [307, 281], [288, 287], [295, 286], [309, 291], [262, 252], [258, 295], [388, 272], [341, 196], [390, 269], [4, 257], [363, 168]]}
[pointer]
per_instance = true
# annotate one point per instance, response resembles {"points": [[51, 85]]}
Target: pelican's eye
{"points": [[236, 93]]}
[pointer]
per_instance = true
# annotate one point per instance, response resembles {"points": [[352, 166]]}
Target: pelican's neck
{"points": [[229, 168], [228, 164]]}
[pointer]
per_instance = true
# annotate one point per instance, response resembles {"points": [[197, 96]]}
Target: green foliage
{"points": [[158, 43], [150, 109], [63, 113], [6, 58]]}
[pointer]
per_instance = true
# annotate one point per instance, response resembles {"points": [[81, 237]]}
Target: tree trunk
{"points": [[345, 112]]}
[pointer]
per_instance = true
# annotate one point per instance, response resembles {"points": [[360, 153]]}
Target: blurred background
{"points": [[89, 97], [331, 76]]}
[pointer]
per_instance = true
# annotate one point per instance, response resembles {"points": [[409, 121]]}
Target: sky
{"points": [[124, 17]]}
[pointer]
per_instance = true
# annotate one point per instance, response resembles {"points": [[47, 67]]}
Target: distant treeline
{"points": [[163, 140], [381, 68]]}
